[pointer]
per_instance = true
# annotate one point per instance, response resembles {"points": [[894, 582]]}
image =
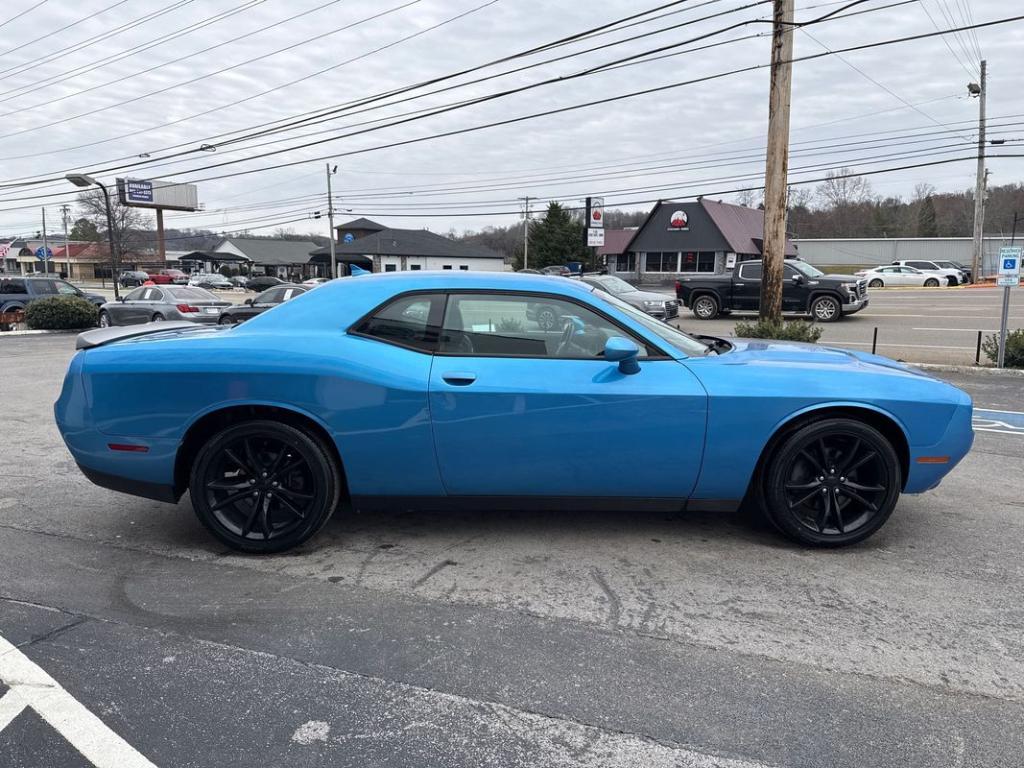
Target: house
{"points": [[704, 236], [286, 259], [387, 249]]}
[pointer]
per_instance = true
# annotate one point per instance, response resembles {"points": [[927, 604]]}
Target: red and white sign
{"points": [[595, 213], [679, 220]]}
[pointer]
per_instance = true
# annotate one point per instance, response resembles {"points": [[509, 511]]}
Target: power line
{"points": [[19, 15], [28, 43], [970, 73]]}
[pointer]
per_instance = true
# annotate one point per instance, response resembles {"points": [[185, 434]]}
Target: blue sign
{"points": [[348, 238], [43, 254], [1009, 264], [138, 191]]}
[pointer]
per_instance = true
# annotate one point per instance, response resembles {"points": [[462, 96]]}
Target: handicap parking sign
{"points": [[1009, 265]]}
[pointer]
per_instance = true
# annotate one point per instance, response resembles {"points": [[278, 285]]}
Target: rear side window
{"points": [[750, 271], [45, 288], [408, 321], [921, 264], [12, 286]]}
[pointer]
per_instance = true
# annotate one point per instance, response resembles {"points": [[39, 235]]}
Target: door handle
{"points": [[459, 378]]}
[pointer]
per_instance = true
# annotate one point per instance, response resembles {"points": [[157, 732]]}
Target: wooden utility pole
{"points": [[777, 165], [977, 261]]}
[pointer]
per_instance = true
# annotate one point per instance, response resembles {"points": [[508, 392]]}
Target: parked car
{"points": [[805, 290], [239, 281], [132, 278], [313, 282], [529, 272], [880, 277], [261, 303], [432, 389], [262, 282], [657, 304], [967, 272], [210, 281], [561, 270], [168, 277], [156, 303], [17, 291], [951, 275]]}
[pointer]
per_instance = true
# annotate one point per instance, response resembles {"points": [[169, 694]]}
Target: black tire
{"points": [[826, 309], [876, 283], [931, 282], [157, 318], [831, 483], [296, 486], [951, 281], [705, 307], [105, 320], [226, 320], [547, 318]]}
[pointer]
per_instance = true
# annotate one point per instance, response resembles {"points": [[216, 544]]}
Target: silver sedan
{"points": [[154, 303], [656, 304]]}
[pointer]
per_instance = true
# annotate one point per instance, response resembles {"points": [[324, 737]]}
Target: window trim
{"points": [[654, 351]]}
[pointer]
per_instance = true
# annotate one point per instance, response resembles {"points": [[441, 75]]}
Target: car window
{"points": [[269, 296], [189, 293], [290, 293], [153, 294], [502, 325], [614, 285], [921, 265], [136, 294], [408, 321], [807, 269], [9, 285], [66, 288], [44, 287], [750, 271]]}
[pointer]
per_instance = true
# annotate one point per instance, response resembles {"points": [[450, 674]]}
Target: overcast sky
{"points": [[58, 93]]}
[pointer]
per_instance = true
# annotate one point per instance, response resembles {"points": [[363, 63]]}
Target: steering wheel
{"points": [[464, 345], [566, 340]]}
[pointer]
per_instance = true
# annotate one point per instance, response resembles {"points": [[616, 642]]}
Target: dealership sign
{"points": [[595, 237], [138, 191], [159, 194], [679, 221], [595, 213]]}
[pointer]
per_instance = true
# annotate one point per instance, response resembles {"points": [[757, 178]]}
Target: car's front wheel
{"points": [[831, 483], [931, 282], [826, 309], [105, 321], [547, 318], [264, 486], [951, 281], [705, 307]]}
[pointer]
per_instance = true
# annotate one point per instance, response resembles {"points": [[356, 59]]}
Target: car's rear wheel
{"points": [[831, 483], [226, 320], [826, 309], [705, 307], [264, 486], [876, 283], [105, 321], [931, 282], [547, 318], [157, 318]]}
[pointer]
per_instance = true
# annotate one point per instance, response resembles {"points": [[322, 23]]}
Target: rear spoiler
{"points": [[101, 336]]}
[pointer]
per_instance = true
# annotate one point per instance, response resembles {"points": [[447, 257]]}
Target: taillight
{"points": [[187, 308], [678, 286]]}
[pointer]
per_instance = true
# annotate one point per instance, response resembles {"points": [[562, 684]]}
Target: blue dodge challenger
{"points": [[439, 389]]}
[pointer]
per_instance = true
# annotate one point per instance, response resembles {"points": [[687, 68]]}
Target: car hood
{"points": [[638, 296], [796, 354]]}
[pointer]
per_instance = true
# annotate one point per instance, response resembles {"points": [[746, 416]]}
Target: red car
{"points": [[167, 276]]}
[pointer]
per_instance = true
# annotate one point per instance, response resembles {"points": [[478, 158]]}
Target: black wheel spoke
{"points": [[287, 505], [863, 488], [802, 486], [814, 460], [824, 454], [251, 518], [265, 517], [846, 491], [861, 462], [227, 485], [251, 456], [845, 469], [806, 497], [826, 512], [838, 510], [287, 468], [229, 499], [238, 462], [295, 494]]}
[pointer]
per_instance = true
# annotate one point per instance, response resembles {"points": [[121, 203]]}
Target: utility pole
{"points": [[526, 230], [46, 246], [777, 165], [65, 214], [330, 219], [979, 90]]}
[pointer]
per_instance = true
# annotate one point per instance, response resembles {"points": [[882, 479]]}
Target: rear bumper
{"points": [[143, 488]]}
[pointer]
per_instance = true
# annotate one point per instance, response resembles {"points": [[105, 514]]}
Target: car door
{"points": [[746, 286], [521, 411], [906, 276], [795, 291], [132, 309]]}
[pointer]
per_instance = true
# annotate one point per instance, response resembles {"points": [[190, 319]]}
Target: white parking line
{"points": [[971, 330], [30, 686], [831, 343]]}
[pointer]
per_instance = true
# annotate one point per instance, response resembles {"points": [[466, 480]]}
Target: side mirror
{"points": [[797, 279], [248, 302], [623, 351], [120, 298]]}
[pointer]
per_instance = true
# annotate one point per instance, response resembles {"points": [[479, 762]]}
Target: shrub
{"points": [[61, 313], [509, 325], [1014, 357], [793, 330]]}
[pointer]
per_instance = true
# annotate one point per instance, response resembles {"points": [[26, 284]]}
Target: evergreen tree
{"points": [[927, 225], [84, 229], [557, 238]]}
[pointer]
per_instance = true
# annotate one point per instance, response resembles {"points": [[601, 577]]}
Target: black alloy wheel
{"points": [[705, 307], [831, 483], [264, 486]]}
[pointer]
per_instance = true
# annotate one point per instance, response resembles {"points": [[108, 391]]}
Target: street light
{"points": [[82, 180]]}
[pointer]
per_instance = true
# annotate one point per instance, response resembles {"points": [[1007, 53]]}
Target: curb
{"points": [[4, 334], [982, 369]]}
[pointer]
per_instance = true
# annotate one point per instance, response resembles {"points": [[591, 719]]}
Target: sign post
{"points": [[1009, 277]]}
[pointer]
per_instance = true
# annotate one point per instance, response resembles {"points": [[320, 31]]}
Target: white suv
{"points": [[952, 276]]}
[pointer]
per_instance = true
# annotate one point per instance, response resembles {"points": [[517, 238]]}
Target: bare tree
{"points": [[842, 187], [131, 225], [751, 198], [922, 191]]}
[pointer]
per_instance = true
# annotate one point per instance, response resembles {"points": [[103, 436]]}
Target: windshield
{"points": [[947, 264], [681, 341], [807, 269], [193, 293], [613, 285]]}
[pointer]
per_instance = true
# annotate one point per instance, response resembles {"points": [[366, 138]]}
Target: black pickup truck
{"points": [[805, 291]]}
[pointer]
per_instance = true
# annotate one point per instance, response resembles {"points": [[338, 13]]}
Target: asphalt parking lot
{"points": [[928, 325], [509, 639]]}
